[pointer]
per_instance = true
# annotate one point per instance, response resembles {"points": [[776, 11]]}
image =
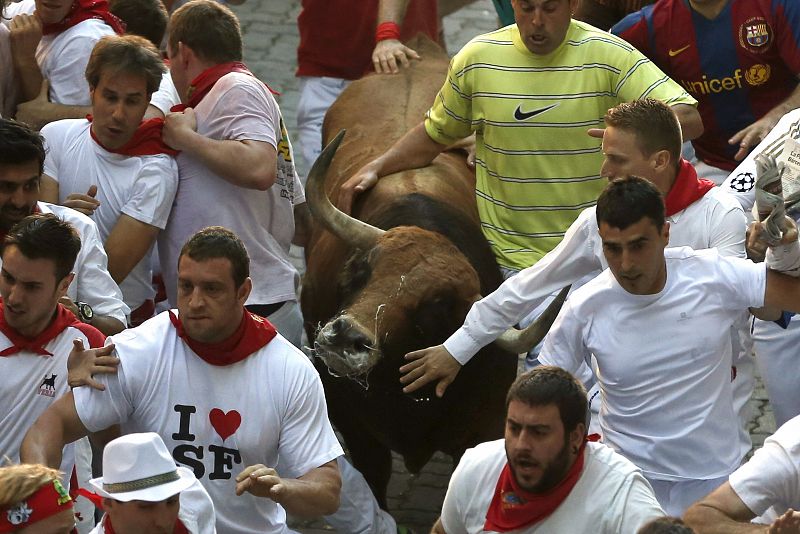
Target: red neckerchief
{"points": [[84, 10], [254, 332], [63, 319], [686, 190], [146, 141], [201, 85], [180, 528], [513, 508]]}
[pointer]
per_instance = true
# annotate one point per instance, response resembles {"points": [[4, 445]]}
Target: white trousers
{"points": [[316, 96]]}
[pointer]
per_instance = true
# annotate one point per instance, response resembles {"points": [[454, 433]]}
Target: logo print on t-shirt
{"points": [[525, 115], [757, 74], [755, 34], [673, 53], [743, 182], [48, 386], [224, 423]]}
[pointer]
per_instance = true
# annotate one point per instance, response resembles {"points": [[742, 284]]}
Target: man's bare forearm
{"points": [[56, 427], [705, 519], [315, 493]]}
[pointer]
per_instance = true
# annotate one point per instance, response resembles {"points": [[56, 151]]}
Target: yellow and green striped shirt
{"points": [[537, 169]]}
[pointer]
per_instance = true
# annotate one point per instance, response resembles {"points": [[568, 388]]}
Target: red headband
{"points": [[48, 500]]}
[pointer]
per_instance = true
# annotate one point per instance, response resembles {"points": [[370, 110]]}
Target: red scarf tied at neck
{"points": [[84, 10], [146, 141], [513, 508], [62, 320], [201, 85], [686, 190], [254, 332]]}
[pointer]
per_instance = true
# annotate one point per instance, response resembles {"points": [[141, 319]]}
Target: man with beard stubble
{"points": [[544, 470]]}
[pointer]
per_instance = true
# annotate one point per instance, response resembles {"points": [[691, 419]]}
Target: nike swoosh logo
{"points": [[673, 53], [524, 115]]}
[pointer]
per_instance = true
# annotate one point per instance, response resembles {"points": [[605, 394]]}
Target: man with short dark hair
{"points": [[93, 295], [37, 333], [227, 394], [544, 476], [114, 167], [657, 323]]}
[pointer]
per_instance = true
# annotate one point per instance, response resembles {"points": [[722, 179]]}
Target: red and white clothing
{"points": [[665, 384], [142, 187], [196, 512], [769, 483], [217, 420], [238, 107], [62, 57], [92, 283], [610, 497]]}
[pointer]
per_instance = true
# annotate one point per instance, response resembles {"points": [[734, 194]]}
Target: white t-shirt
{"points": [[196, 512], [665, 383], [715, 220], [611, 496], [142, 187], [217, 420], [31, 383], [166, 96], [769, 484], [92, 283], [62, 57], [238, 107]]}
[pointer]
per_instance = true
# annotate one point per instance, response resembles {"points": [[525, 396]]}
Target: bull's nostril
{"points": [[339, 325]]}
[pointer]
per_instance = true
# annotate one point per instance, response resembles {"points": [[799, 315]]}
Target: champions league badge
{"points": [[743, 182], [755, 34]]}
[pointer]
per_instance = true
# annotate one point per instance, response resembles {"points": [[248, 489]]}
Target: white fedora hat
{"points": [[138, 467]]}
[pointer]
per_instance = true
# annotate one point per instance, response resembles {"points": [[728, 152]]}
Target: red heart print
{"points": [[224, 423]]}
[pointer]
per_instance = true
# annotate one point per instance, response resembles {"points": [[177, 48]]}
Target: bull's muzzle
{"points": [[346, 347]]}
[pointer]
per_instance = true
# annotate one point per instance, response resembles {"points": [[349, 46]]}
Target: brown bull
{"points": [[403, 281]]}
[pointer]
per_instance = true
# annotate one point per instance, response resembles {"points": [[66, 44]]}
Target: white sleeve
{"points": [[453, 515], [741, 282], [166, 96], [66, 73], [94, 284], [564, 346], [639, 505], [99, 410], [573, 258], [307, 440], [154, 191], [769, 478], [53, 134], [728, 233], [250, 113]]}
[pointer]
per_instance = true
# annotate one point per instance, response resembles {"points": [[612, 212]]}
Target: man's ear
{"points": [[577, 437], [244, 290], [661, 160], [63, 285]]}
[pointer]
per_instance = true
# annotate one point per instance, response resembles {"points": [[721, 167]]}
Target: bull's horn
{"points": [[350, 230], [518, 341]]}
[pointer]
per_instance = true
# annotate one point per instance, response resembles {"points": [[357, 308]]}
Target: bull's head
{"points": [[405, 283]]}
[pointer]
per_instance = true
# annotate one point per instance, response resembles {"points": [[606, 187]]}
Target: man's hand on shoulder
{"points": [[178, 127], [427, 365], [388, 53], [83, 364]]}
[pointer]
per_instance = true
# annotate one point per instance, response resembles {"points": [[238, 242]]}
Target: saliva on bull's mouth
{"points": [[345, 357]]}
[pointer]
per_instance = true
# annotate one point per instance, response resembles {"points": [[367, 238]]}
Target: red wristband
{"points": [[387, 30]]}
